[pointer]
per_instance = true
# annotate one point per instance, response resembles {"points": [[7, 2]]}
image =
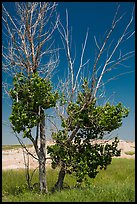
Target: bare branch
{"points": [[115, 77], [23, 146], [29, 33], [81, 60], [96, 42], [53, 123], [113, 51]]}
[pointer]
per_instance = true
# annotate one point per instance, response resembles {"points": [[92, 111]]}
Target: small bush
{"points": [[130, 153]]}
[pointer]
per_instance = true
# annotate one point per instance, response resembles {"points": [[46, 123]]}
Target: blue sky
{"points": [[97, 16]]}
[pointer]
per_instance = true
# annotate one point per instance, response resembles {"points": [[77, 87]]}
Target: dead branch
{"points": [[28, 35]]}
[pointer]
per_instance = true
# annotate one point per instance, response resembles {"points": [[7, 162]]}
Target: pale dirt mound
{"points": [[126, 146], [14, 159]]}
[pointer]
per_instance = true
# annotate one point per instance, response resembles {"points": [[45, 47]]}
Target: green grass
{"points": [[130, 153], [116, 184], [8, 147]]}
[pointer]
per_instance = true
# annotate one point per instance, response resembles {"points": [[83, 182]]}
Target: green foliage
{"points": [[99, 119], [130, 153], [28, 94], [62, 99], [84, 158], [79, 155]]}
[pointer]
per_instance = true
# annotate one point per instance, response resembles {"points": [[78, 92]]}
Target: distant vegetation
{"points": [[8, 147], [116, 184], [130, 153]]}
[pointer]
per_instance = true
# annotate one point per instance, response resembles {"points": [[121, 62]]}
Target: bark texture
{"points": [[61, 176], [42, 155]]}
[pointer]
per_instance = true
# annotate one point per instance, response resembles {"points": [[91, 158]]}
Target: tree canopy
{"points": [[28, 95], [80, 154]]}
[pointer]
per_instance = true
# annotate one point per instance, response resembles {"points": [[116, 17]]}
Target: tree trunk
{"points": [[42, 155], [61, 176], [42, 174]]}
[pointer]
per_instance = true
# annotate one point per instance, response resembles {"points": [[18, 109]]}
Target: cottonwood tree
{"points": [[83, 121], [29, 58]]}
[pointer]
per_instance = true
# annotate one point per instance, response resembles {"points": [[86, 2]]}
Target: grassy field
{"points": [[116, 184]]}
